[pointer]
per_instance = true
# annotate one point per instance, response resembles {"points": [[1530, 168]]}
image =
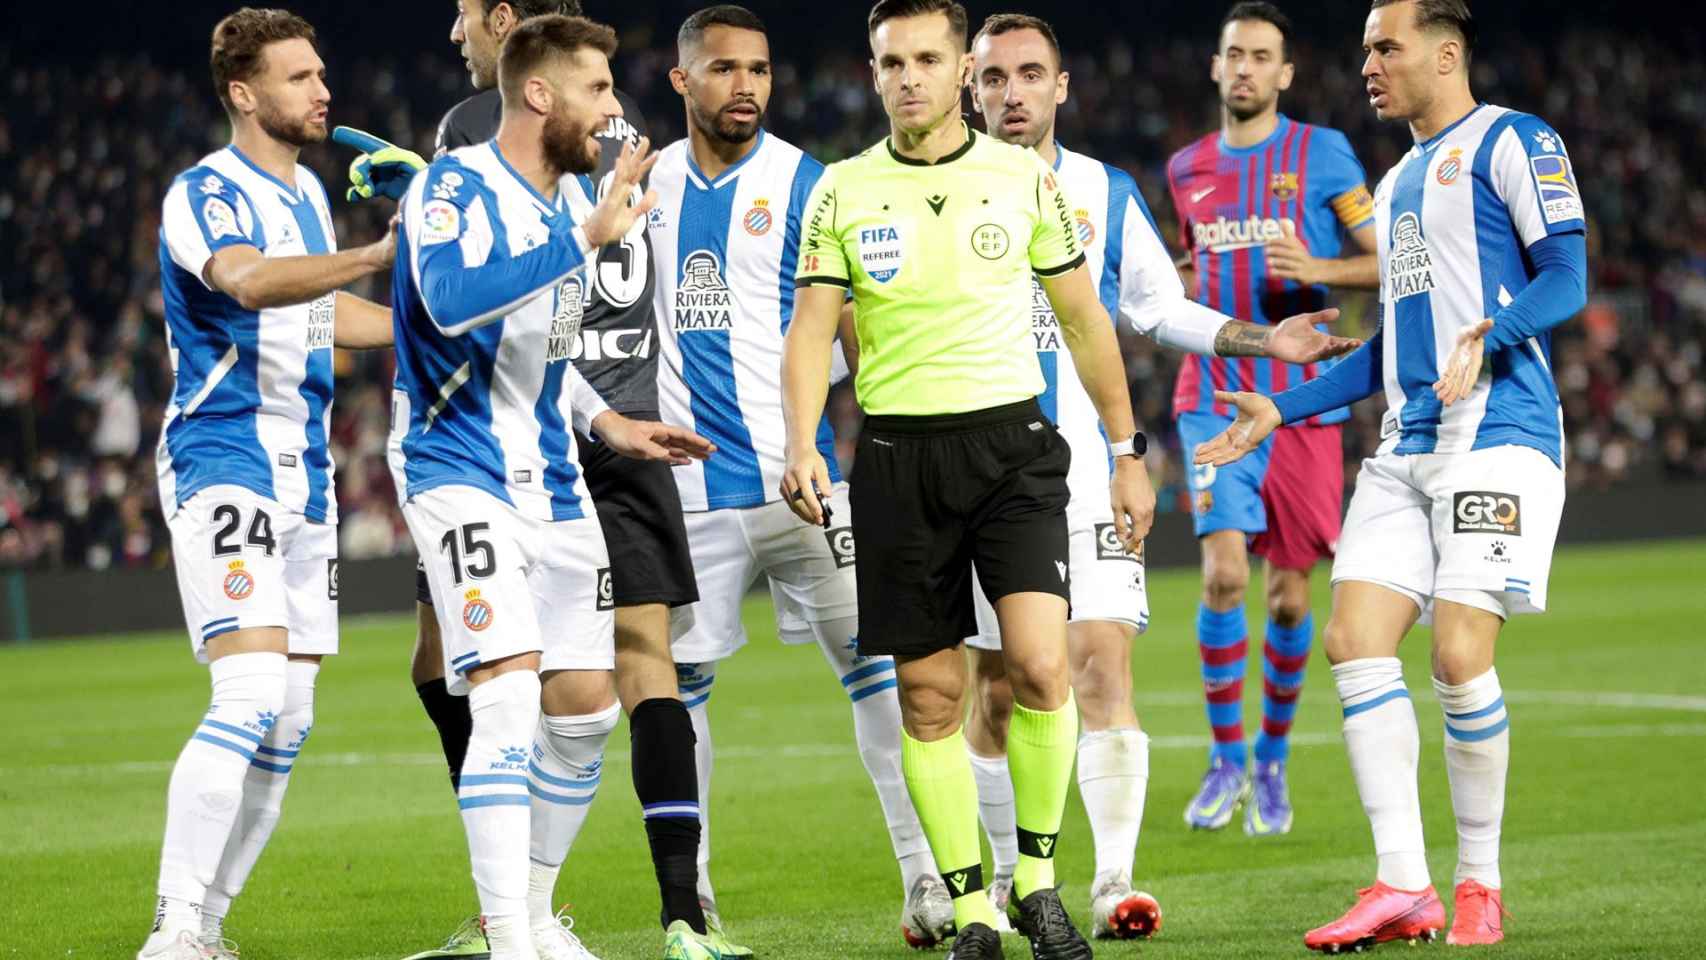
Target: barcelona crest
{"points": [[1283, 186]]}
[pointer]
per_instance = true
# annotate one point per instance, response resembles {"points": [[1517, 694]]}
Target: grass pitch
{"points": [[1605, 831]]}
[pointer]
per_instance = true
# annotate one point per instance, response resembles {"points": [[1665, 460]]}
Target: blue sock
{"points": [[1285, 656], [1224, 641]]}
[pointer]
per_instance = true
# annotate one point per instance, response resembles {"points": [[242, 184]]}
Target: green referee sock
{"points": [[1040, 750], [939, 778]]}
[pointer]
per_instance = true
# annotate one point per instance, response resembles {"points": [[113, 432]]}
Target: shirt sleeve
{"points": [[1055, 248], [1178, 206], [1531, 173], [585, 403], [1342, 180], [823, 259], [1351, 379], [203, 214], [1151, 298], [448, 227]]}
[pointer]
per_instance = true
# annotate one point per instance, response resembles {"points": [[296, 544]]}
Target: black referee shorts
{"points": [[639, 510], [933, 497]]}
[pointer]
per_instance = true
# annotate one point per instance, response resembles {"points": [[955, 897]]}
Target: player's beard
{"points": [[298, 132], [566, 144], [720, 126], [1249, 108]]}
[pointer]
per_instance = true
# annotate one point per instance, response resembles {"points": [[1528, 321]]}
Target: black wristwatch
{"points": [[1137, 446]]}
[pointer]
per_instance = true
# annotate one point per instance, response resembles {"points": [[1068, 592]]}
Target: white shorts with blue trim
{"points": [[244, 561], [1108, 584], [1455, 525], [810, 572], [507, 584]]}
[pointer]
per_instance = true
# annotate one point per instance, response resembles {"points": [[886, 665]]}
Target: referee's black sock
{"points": [[455, 724], [668, 788]]}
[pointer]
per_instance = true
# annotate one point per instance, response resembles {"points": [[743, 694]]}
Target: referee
{"points": [[937, 232]]}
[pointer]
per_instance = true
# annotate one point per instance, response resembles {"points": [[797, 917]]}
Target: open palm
{"points": [[1257, 418], [1298, 339]]}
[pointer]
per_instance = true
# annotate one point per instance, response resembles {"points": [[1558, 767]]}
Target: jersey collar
{"points": [[693, 165], [538, 197], [295, 193], [962, 150], [1280, 130], [1425, 145]]}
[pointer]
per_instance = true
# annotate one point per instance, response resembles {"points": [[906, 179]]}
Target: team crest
{"points": [[239, 583], [882, 250], [1086, 229], [1448, 171], [1205, 502], [477, 614], [1283, 186], [759, 219]]}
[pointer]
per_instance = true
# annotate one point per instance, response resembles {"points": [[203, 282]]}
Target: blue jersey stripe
{"points": [[733, 476], [1418, 360], [1120, 191], [560, 473], [316, 388]]}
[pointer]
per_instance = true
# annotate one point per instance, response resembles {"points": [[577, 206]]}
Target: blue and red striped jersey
{"points": [[1231, 202]]}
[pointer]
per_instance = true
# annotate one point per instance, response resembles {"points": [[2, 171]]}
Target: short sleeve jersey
{"points": [[939, 257]]}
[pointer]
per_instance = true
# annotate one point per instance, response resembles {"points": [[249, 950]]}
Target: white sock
{"points": [[205, 795], [1477, 757], [568, 762], [1384, 748], [1113, 779], [173, 917], [494, 796], [695, 681], [871, 685], [263, 794], [995, 810]]}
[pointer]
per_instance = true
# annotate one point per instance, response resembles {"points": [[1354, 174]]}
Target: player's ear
{"points": [[1214, 67], [876, 78], [966, 64], [1061, 80], [1450, 56], [1287, 72], [539, 95], [242, 98], [678, 79]]}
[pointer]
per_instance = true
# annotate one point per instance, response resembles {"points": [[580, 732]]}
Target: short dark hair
{"points": [[525, 9], [1267, 13], [885, 10], [539, 39], [1000, 23], [1450, 15], [241, 39], [693, 28]]}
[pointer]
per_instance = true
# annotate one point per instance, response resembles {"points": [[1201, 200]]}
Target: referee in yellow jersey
{"points": [[937, 231]]}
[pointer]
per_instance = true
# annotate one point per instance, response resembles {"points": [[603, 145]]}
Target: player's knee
{"points": [[1339, 642], [1040, 679], [1224, 583], [1458, 659], [1287, 609], [929, 712]]}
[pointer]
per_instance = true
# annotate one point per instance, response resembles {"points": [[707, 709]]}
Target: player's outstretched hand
{"points": [[1463, 367], [804, 483], [1257, 417], [614, 216], [650, 440], [382, 168], [1133, 499], [1298, 339]]}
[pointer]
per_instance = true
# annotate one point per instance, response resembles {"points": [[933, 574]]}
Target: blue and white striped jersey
{"points": [[252, 392], [1136, 281], [1455, 218], [487, 299], [725, 251]]}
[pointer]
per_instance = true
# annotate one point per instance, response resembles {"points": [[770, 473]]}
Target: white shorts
{"points": [[1475, 528], [507, 584], [810, 570], [244, 561], [1108, 584]]}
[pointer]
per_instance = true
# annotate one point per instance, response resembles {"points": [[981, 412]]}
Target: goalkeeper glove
{"points": [[382, 169]]}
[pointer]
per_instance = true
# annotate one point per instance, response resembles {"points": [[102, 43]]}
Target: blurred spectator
{"points": [[86, 154]]}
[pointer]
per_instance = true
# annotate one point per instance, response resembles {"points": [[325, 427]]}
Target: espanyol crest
{"points": [[882, 250]]}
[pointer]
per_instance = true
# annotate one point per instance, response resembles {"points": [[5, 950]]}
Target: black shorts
{"points": [[639, 510], [933, 497]]}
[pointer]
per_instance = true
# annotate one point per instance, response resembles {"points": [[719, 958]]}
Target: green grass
{"points": [[1605, 829]]}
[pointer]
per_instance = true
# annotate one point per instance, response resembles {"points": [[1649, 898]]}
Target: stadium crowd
{"points": [[87, 151]]}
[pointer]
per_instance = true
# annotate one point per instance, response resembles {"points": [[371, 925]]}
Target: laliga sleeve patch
{"points": [[220, 219], [1560, 200], [441, 222]]}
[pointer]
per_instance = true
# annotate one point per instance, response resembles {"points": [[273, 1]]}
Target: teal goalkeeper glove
{"points": [[383, 168]]}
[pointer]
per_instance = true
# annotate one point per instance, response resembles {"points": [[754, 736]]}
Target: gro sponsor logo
{"points": [[1484, 511]]}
